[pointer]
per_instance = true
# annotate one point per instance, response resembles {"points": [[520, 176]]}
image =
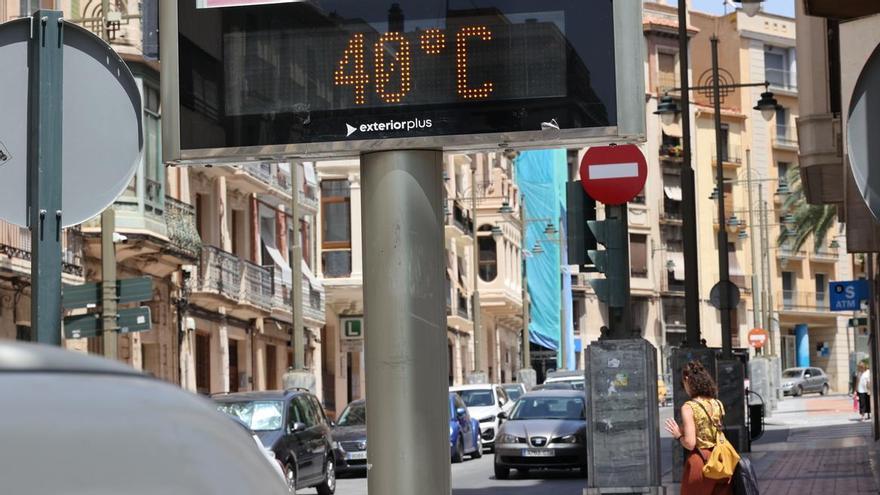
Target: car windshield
{"points": [[257, 415], [792, 373], [548, 408], [353, 415], [476, 398], [513, 392]]}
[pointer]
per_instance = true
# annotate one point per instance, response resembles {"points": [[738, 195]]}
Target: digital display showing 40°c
{"points": [[329, 70]]}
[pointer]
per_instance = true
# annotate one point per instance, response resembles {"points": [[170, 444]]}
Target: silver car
{"points": [[545, 430], [799, 381]]}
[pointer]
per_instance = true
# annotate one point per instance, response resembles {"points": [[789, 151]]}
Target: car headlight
{"points": [[488, 419], [565, 439], [506, 438], [450, 430]]}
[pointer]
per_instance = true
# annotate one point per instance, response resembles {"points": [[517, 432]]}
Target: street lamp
{"points": [[750, 7], [768, 105], [667, 109]]}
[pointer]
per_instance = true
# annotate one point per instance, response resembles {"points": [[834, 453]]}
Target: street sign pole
{"points": [[406, 351], [108, 282], [44, 173]]}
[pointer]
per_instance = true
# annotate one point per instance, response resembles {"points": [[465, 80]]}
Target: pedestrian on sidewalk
{"points": [[697, 432], [863, 391]]}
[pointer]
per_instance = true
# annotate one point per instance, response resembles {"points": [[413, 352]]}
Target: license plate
{"points": [[538, 453], [356, 456]]}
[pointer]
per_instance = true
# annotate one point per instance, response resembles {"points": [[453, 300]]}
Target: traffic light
{"points": [[580, 208], [613, 261]]}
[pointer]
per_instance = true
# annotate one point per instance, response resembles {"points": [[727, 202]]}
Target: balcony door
{"points": [[788, 289]]}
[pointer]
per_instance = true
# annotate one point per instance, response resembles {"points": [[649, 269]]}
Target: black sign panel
{"points": [[325, 71]]}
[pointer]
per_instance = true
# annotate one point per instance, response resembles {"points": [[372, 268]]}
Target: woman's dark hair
{"points": [[699, 380]]}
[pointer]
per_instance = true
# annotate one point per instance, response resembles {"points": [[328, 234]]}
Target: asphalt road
{"points": [[476, 477]]}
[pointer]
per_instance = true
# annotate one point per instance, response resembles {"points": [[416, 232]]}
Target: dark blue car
{"points": [[464, 431]]}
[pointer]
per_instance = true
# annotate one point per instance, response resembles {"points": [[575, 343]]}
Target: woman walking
{"points": [[697, 432], [863, 391]]}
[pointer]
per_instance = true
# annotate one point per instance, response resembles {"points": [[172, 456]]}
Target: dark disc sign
{"points": [[334, 76]]}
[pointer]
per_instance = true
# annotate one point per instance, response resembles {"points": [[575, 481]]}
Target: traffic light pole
{"points": [[618, 322]]}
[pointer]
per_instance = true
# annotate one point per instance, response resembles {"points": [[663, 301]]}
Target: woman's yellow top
{"points": [[704, 426]]}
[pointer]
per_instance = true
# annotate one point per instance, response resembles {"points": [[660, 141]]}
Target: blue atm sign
{"points": [[847, 296]]}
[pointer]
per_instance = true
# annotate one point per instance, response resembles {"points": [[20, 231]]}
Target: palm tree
{"points": [[805, 219]]}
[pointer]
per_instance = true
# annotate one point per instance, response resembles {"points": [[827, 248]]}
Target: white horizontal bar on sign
{"points": [[614, 170]]}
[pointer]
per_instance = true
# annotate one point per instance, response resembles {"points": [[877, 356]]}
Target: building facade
{"points": [[340, 251]]}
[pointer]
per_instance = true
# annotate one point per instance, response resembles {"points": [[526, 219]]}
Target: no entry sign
{"points": [[613, 174], [758, 337]]}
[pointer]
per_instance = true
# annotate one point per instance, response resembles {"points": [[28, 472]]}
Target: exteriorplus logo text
{"points": [[389, 125]]}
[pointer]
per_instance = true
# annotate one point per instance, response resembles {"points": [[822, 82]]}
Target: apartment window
{"points": [[305, 241], [725, 142], [775, 67], [638, 255], [788, 289], [488, 254], [23, 332], [336, 228], [203, 363], [238, 233], [154, 169], [201, 216], [821, 287], [666, 79], [782, 169], [782, 123]]}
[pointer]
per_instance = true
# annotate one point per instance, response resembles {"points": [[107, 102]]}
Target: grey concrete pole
{"points": [[526, 316], [405, 322], [723, 260], [479, 340], [563, 345]]}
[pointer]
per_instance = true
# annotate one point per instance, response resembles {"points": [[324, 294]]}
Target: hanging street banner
{"points": [[303, 79]]}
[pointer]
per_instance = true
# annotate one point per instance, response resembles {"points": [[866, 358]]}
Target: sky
{"points": [[781, 7]]}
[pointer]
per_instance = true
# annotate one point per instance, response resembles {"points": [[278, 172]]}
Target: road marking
{"points": [[614, 170]]}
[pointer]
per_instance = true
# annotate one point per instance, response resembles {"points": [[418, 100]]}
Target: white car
{"points": [[484, 402], [573, 378]]}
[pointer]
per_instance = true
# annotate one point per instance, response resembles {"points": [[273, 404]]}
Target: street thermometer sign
{"points": [[613, 174], [263, 79]]}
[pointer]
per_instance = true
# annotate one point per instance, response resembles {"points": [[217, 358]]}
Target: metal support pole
{"points": [[768, 288], [108, 283], [619, 318], [688, 193], [296, 293], [44, 173], [526, 314], [563, 343], [406, 351], [479, 340], [756, 305], [723, 260]]}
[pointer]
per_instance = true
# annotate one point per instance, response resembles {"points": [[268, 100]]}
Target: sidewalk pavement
{"points": [[814, 446]]}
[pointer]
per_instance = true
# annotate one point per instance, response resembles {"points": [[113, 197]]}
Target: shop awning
{"points": [[737, 275], [309, 174], [313, 281], [672, 130], [277, 258], [672, 192]]}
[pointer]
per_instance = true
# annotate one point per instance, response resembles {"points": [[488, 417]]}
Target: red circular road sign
{"points": [[614, 174], [758, 337]]}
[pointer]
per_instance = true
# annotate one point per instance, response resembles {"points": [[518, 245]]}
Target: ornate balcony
{"points": [[180, 220], [245, 289], [15, 251]]}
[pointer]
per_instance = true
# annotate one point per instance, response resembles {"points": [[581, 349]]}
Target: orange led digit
{"points": [[461, 63], [354, 55], [433, 41], [399, 63]]}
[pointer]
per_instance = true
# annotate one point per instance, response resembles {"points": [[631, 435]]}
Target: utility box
{"points": [[730, 376], [680, 357], [760, 382], [623, 421]]}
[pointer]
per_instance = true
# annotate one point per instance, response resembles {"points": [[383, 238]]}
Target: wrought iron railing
{"points": [[313, 297], [785, 136], [15, 242], [180, 222], [793, 300], [234, 278], [270, 174]]}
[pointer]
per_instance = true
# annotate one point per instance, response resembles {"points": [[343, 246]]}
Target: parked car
{"points": [[350, 439], [484, 402], [267, 452], [514, 390], [292, 423], [546, 429], [464, 431], [799, 381], [554, 386], [575, 378], [69, 412]]}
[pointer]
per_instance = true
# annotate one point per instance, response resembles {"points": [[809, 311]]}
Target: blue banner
{"points": [[848, 295]]}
